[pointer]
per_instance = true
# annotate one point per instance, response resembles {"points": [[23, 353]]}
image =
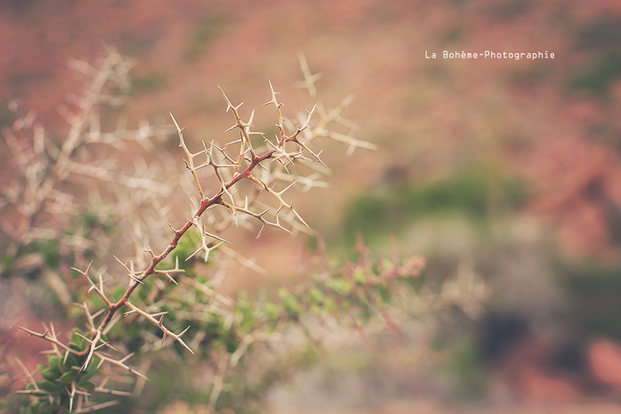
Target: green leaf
{"points": [[47, 373], [359, 276], [50, 386], [92, 366], [88, 386], [329, 305], [45, 408], [77, 339], [292, 305], [57, 364], [339, 286], [69, 376], [71, 361], [91, 370], [272, 311], [317, 296]]}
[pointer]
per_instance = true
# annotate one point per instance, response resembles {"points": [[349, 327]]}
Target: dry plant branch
{"points": [[43, 198], [243, 170], [270, 170]]}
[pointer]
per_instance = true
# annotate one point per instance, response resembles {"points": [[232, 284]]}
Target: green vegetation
{"points": [[474, 193]]}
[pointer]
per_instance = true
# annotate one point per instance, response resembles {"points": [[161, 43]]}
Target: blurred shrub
{"points": [[475, 193]]}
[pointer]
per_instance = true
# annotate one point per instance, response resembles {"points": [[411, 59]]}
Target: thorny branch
{"points": [[265, 167], [217, 199]]}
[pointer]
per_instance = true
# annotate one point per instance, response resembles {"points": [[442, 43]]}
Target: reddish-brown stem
{"points": [[206, 203]]}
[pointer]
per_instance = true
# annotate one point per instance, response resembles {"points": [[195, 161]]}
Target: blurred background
{"points": [[505, 174]]}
